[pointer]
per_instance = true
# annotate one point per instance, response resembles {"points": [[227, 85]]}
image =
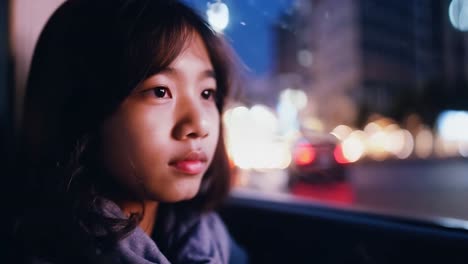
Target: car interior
{"points": [[398, 110]]}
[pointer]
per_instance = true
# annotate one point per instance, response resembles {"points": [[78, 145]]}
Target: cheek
{"points": [[114, 149], [214, 128], [130, 139]]}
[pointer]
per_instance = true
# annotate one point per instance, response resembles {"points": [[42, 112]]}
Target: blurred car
{"points": [[317, 158]]}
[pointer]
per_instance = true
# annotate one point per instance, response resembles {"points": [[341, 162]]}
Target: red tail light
{"points": [[304, 154]]}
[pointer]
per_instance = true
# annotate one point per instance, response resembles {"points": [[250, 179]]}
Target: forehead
{"points": [[196, 47], [160, 49]]}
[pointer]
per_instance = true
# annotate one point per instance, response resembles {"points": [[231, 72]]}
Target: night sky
{"points": [[250, 29]]}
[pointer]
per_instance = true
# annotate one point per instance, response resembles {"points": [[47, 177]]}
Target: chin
{"points": [[179, 193], [186, 195], [189, 196], [174, 198]]}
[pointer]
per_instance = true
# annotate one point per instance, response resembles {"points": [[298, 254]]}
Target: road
{"points": [[430, 189]]}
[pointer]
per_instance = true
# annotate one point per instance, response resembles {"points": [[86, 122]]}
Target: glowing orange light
{"points": [[339, 156], [304, 154]]}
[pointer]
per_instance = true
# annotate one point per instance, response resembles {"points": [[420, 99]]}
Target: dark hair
{"points": [[89, 57]]}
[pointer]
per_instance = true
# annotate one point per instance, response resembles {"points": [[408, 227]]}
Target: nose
{"points": [[191, 122]]}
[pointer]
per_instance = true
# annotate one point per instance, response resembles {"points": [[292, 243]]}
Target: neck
{"points": [[149, 218]]}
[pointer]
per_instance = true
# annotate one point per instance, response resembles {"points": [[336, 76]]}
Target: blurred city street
{"points": [[414, 189], [424, 188]]}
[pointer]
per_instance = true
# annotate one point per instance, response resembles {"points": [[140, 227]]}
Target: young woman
{"points": [[122, 150]]}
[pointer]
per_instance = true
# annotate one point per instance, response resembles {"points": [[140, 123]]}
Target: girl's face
{"points": [[162, 138]]}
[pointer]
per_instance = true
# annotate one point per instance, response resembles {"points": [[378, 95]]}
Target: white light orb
{"points": [[218, 15], [458, 14]]}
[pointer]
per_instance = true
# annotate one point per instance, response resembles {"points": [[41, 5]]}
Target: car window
{"points": [[354, 104]]}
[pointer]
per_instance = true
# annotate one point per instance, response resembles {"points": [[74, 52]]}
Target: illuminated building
{"points": [[388, 57]]}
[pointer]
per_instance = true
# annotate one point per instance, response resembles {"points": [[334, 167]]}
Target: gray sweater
{"points": [[183, 238]]}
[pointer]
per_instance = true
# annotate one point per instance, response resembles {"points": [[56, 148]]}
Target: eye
{"points": [[161, 92], [208, 94]]}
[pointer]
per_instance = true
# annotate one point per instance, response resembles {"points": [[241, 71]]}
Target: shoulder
{"points": [[193, 237], [215, 224], [236, 253], [216, 230], [206, 228]]}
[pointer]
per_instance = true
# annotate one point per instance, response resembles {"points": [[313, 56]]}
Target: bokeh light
{"points": [[341, 131], [424, 143], [252, 138], [353, 146], [453, 125], [218, 15], [458, 14]]}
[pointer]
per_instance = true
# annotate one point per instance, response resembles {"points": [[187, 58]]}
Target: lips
{"points": [[192, 163]]}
